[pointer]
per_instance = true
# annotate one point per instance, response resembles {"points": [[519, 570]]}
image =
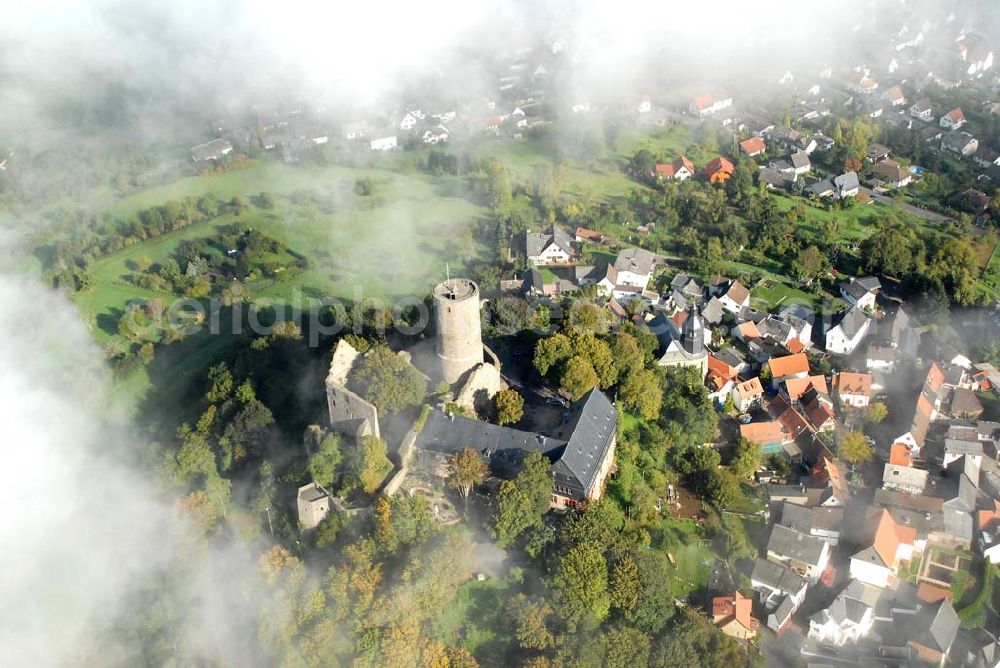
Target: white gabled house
{"points": [[845, 337]]}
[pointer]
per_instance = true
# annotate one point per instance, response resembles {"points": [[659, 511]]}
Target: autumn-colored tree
{"points": [[855, 448], [467, 470], [509, 406], [877, 412], [531, 616], [641, 393], [578, 378]]}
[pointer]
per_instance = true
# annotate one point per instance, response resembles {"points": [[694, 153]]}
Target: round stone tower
{"points": [[459, 344]]}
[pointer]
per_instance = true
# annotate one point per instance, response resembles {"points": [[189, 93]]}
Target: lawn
{"points": [[694, 558], [398, 244]]}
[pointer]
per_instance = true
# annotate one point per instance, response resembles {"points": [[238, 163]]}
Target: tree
{"points": [[810, 264], [855, 448], [694, 641], [722, 488], [625, 585], [513, 514], [467, 470], [877, 412], [643, 163], [368, 464], [641, 393], [628, 354], [389, 381], [535, 481], [581, 583], [578, 378], [747, 460], [888, 252], [531, 617], [551, 352], [498, 190], [509, 406], [324, 456], [627, 648]]}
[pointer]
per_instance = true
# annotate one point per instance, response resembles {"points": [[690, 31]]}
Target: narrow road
{"points": [[931, 216]]}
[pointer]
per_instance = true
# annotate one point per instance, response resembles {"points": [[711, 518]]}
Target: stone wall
{"points": [[350, 415]]}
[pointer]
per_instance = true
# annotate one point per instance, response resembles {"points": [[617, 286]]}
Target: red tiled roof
{"points": [[748, 330], [900, 455], [886, 541], [683, 162], [956, 115], [846, 382], [788, 365], [702, 101], [665, 170], [751, 388], [753, 145], [796, 387], [795, 346], [719, 164], [763, 432]]}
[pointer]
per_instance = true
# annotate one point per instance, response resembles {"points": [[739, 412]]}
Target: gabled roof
{"points": [[683, 162], [796, 387], [936, 625], [750, 388], [738, 607], [763, 432], [777, 576], [900, 455], [719, 164], [748, 330], [737, 292], [753, 145], [788, 365], [852, 321], [800, 159], [956, 115], [847, 382], [847, 181], [635, 260], [792, 544], [884, 545], [891, 171]]}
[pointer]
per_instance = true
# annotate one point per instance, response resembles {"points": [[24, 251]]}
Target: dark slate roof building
{"points": [[579, 451]]}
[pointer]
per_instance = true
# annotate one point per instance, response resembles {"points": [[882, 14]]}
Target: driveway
{"points": [[931, 216]]}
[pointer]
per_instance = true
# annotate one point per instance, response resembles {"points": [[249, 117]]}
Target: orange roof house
{"points": [[585, 234], [748, 331], [719, 170], [789, 365], [753, 146], [796, 387], [664, 171], [720, 373], [900, 455], [764, 433], [847, 383], [732, 615], [685, 163]]}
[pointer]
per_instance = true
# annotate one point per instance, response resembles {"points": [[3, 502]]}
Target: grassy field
{"points": [[478, 619], [694, 559], [397, 245]]}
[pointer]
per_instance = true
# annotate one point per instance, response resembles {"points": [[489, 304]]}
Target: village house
{"points": [[789, 366], [848, 618], [382, 142], [805, 554], [770, 435], [584, 235], [707, 105], [630, 274], [903, 478], [959, 142], [928, 403], [877, 153], [820, 521], [953, 120], [720, 379], [852, 389], [549, 248], [211, 151], [753, 147], [735, 297], [732, 615], [680, 169], [719, 170], [845, 337], [895, 96], [922, 110], [861, 292], [774, 582], [893, 173], [889, 544], [747, 394]]}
